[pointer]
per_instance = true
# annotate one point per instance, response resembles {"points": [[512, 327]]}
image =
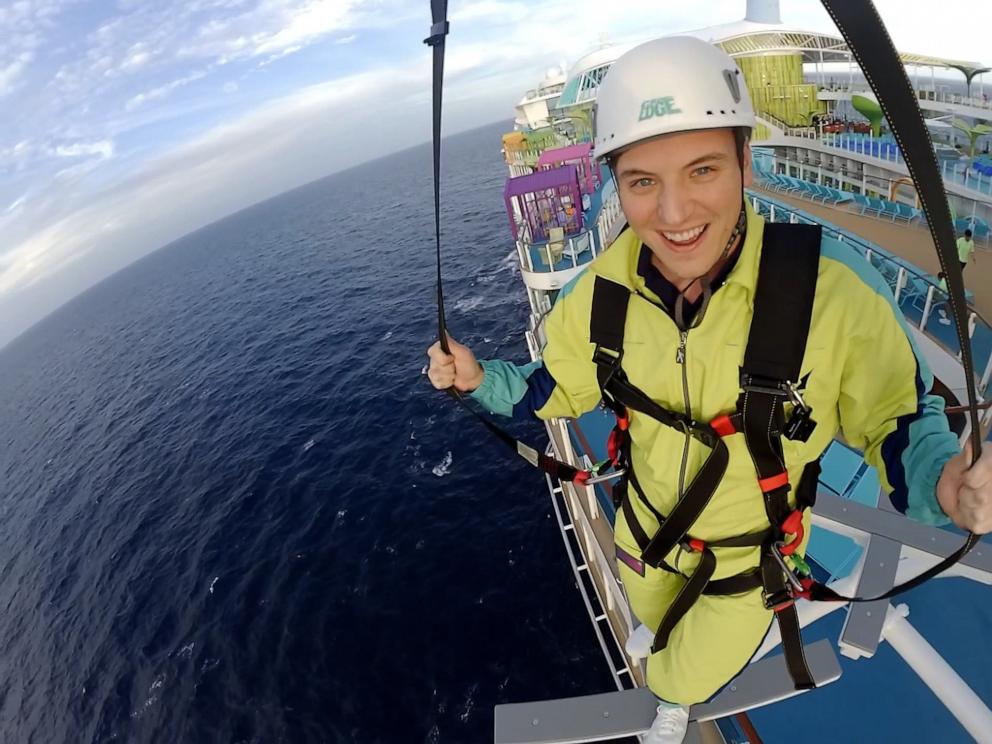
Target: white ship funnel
{"points": [[763, 11]]}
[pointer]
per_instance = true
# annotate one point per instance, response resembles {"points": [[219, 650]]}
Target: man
{"points": [[673, 119], [966, 248]]}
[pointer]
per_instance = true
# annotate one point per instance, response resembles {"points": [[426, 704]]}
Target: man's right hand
{"points": [[459, 368]]}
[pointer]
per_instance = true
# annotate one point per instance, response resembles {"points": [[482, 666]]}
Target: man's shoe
{"points": [[669, 726]]}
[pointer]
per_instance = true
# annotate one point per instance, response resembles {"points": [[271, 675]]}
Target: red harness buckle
{"points": [[696, 545], [793, 525], [723, 426], [768, 485], [611, 446]]}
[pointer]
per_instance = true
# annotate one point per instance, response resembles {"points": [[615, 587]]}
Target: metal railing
{"points": [[924, 94], [964, 174]]}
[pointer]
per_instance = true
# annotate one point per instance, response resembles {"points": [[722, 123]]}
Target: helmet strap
{"points": [[703, 280]]}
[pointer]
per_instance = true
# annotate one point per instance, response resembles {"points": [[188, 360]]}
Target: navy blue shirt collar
{"points": [[667, 292]]}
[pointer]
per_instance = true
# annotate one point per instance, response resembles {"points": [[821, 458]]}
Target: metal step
{"points": [[630, 712]]}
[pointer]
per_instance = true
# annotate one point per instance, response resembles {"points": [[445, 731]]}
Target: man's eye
{"points": [[642, 183], [703, 170]]}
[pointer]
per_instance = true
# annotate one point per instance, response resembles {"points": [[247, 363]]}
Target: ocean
{"points": [[235, 510]]}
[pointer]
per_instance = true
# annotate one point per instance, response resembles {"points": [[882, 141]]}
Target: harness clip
{"points": [[755, 384], [793, 525], [800, 424], [778, 601], [777, 554], [693, 545], [611, 361]]}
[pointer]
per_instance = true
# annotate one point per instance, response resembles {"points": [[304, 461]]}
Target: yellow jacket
{"points": [[866, 379]]}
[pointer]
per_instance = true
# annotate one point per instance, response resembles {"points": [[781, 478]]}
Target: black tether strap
{"points": [[556, 468], [869, 41]]}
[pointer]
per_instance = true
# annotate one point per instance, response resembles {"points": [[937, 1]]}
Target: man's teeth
{"points": [[684, 237]]}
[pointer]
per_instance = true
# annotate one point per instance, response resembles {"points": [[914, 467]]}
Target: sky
{"points": [[125, 124]]}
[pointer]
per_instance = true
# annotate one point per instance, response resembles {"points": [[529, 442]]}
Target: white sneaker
{"points": [[638, 645], [944, 321], [669, 726]]}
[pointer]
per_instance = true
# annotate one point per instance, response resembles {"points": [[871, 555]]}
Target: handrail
{"points": [[924, 94]]}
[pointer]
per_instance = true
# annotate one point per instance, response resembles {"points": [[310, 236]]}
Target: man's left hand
{"points": [[965, 494]]}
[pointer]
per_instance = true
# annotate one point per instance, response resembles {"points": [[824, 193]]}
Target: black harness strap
{"points": [[776, 344]]}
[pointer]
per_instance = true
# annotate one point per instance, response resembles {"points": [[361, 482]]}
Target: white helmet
{"points": [[674, 84]]}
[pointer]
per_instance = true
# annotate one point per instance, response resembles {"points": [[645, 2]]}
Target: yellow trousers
{"points": [[709, 646]]}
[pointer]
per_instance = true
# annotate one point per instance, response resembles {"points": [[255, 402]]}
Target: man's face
{"points": [[681, 194]]}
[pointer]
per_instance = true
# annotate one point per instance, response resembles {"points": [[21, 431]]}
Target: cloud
{"points": [[271, 28], [194, 184], [9, 75], [163, 90], [104, 148]]}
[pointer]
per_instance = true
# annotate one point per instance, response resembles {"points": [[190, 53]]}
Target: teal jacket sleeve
{"points": [[504, 385], [563, 383], [887, 409]]}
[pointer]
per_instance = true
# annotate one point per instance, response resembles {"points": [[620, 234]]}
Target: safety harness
{"points": [[770, 378]]}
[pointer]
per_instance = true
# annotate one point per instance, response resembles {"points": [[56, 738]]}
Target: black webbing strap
{"points": [[869, 41], [439, 13], [776, 344], [560, 470], [700, 583], [685, 599], [608, 319], [783, 301]]}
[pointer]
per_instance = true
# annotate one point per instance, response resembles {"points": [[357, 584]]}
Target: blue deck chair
{"points": [[808, 189], [783, 182], [901, 212], [821, 194], [860, 201], [914, 295], [875, 207], [841, 196], [866, 490], [836, 553], [889, 209], [839, 465], [793, 185]]}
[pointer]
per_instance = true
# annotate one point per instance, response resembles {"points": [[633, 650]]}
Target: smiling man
{"points": [[716, 338]]}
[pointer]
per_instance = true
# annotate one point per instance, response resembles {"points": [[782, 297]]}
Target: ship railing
{"points": [[863, 145], [959, 172], [917, 294], [609, 216], [964, 174], [924, 94]]}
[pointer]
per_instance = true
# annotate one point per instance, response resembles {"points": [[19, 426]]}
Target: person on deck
{"points": [[673, 122], [966, 248]]}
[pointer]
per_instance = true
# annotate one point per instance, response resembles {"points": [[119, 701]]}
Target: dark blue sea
{"points": [[235, 510]]}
